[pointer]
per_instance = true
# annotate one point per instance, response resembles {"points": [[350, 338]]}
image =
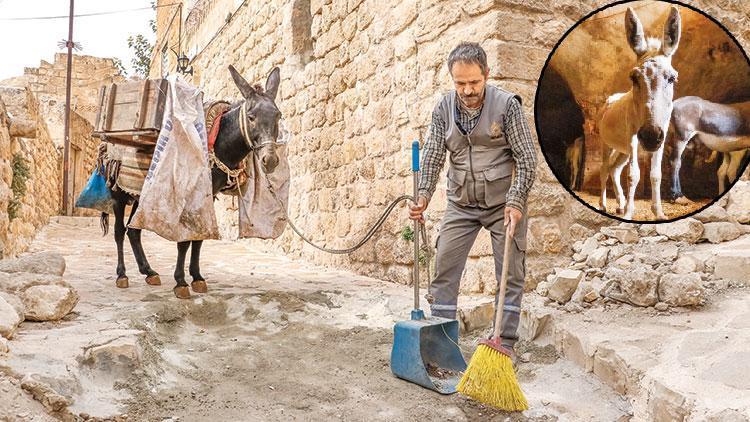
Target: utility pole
{"points": [[67, 207]]}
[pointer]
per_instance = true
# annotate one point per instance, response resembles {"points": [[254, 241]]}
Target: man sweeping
{"points": [[484, 129]]}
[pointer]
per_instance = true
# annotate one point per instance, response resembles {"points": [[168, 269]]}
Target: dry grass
{"points": [[643, 207]]}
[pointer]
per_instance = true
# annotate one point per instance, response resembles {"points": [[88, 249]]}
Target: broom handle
{"points": [[415, 171], [503, 283]]}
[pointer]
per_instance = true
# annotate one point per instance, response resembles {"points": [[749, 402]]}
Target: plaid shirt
{"points": [[517, 134]]}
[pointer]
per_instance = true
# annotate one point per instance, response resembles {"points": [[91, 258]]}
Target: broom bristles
{"points": [[490, 379]]}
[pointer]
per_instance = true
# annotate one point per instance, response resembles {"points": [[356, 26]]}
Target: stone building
{"points": [[359, 81], [32, 140]]}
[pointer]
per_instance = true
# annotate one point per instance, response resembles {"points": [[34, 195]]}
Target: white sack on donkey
{"points": [[176, 200]]}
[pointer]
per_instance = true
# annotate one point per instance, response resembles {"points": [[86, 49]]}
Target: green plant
{"points": [[142, 50], [21, 174], [407, 234], [120, 67]]}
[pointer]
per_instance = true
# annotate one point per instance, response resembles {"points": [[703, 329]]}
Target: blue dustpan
{"points": [[425, 351]]}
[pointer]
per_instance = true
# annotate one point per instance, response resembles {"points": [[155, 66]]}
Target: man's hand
{"points": [[416, 210], [512, 217]]}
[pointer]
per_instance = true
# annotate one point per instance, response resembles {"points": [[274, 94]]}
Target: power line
{"points": [[113, 12]]}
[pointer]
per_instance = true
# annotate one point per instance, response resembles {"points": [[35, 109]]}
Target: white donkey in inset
{"points": [[641, 115]]}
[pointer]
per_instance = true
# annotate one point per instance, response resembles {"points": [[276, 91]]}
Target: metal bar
{"points": [[416, 247], [67, 210]]}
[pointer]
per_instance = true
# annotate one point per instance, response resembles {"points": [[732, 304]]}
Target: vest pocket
{"points": [[456, 190], [497, 184]]}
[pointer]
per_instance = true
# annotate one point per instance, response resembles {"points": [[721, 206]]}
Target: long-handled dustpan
{"points": [[425, 351]]}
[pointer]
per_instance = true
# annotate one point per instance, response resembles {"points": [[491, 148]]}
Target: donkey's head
{"points": [[653, 78], [260, 116]]}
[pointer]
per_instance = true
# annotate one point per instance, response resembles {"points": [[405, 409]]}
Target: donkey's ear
{"points": [[272, 83], [634, 31], [245, 88], [672, 31]]}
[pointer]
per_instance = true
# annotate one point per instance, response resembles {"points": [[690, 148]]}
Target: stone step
{"points": [[685, 365]]}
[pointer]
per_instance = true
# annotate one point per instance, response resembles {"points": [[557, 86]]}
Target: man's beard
{"points": [[473, 99]]}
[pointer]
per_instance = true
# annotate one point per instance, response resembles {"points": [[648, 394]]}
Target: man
{"points": [[484, 130]]}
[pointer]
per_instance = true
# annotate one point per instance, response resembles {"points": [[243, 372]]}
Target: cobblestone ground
{"points": [[272, 340]]}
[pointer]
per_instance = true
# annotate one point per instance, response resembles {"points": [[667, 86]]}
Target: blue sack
{"points": [[96, 195]]}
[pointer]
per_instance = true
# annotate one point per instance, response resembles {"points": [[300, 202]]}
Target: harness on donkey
{"points": [[125, 168]]}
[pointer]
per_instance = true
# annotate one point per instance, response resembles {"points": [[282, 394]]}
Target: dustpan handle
{"points": [[503, 284], [415, 172]]}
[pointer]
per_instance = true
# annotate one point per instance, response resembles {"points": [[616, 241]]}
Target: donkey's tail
{"points": [[104, 223]]}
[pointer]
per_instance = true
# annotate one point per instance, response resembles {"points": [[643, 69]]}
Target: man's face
{"points": [[469, 82]]}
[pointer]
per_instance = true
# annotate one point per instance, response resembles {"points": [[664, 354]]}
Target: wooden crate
{"points": [[131, 113]]}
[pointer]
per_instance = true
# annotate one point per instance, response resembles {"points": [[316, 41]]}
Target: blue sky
{"points": [[26, 43]]}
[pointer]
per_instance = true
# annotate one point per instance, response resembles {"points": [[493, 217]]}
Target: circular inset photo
{"points": [[643, 110]]}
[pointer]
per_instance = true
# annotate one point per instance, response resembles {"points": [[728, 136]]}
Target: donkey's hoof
{"points": [[199, 286], [153, 280], [182, 292], [122, 282], [619, 211], [682, 201]]}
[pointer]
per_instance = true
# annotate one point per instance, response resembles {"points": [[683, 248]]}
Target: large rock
{"points": [[738, 202], [623, 234], [48, 303], [681, 289], [589, 246], [15, 302], [636, 285], [9, 319], [18, 282], [721, 231], [712, 214], [564, 285], [685, 265], [37, 263], [687, 229]]}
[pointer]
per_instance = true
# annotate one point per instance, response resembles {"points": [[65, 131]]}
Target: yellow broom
{"points": [[490, 377]]}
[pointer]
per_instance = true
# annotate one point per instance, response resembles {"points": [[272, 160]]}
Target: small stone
{"points": [[712, 214], [624, 261], [4, 345], [598, 258], [738, 202], [585, 293], [684, 265], [721, 232], [565, 285], [589, 246], [525, 357], [646, 230], [661, 307], [623, 234], [687, 229], [9, 319], [681, 289], [579, 257]]}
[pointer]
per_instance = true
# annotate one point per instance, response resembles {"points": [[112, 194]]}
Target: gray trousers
{"points": [[458, 231]]}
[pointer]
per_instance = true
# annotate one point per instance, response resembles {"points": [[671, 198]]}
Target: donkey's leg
{"points": [[603, 176], [655, 176], [199, 283], [134, 235], [634, 177], [723, 171], [679, 148], [120, 201], [618, 163], [181, 290], [735, 163]]}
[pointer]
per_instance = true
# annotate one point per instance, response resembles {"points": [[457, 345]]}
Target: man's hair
{"points": [[468, 52]]}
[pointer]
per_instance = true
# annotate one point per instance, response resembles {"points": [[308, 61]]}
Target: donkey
{"points": [[232, 145], [723, 128], [641, 115]]}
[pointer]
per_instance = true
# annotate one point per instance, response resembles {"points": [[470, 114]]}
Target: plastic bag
{"points": [[96, 195]]}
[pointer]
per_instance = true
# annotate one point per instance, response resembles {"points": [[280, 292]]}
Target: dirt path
{"points": [[643, 207], [272, 340]]}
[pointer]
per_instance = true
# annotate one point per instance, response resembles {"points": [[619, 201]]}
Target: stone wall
{"points": [[41, 198], [359, 82]]}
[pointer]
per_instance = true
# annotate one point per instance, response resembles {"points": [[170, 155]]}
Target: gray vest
{"points": [[481, 163]]}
